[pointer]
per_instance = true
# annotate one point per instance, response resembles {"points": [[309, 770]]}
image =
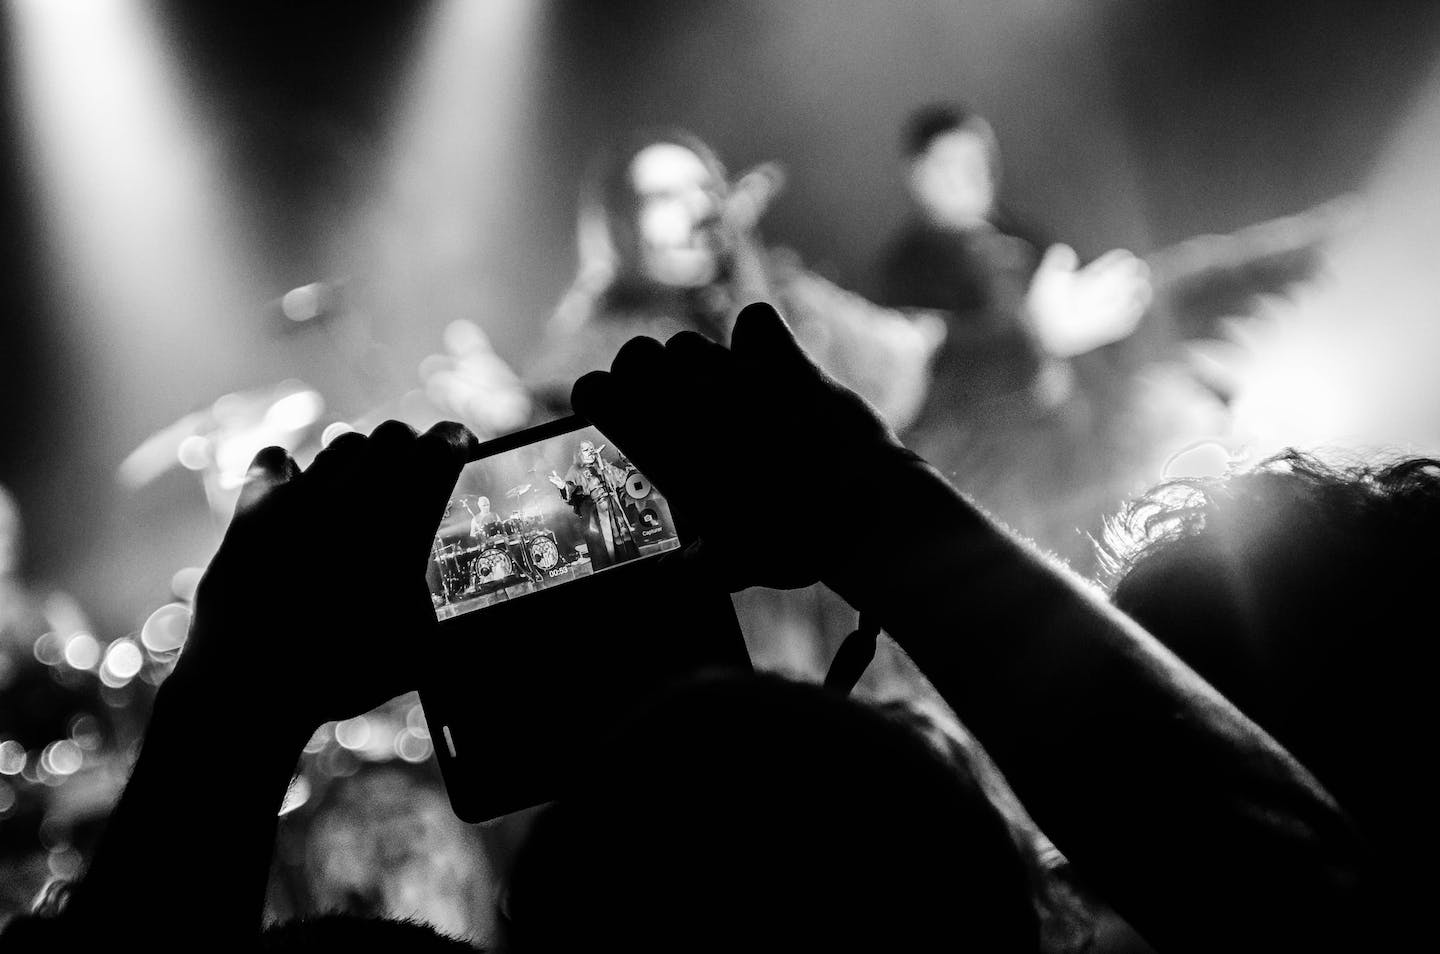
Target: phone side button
{"points": [[449, 741]]}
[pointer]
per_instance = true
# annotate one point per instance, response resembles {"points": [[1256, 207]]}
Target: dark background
{"points": [[1126, 123]]}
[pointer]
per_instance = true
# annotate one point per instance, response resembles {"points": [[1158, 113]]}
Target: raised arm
{"points": [[1197, 826], [272, 654]]}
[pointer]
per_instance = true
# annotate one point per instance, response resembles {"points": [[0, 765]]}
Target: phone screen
{"points": [[540, 515]]}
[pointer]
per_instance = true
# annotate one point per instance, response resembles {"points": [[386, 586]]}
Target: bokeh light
{"points": [[411, 746], [62, 757], [185, 581], [303, 303], [166, 628], [12, 757], [123, 660], [50, 648], [82, 651], [194, 452], [85, 732], [353, 734], [296, 411]]}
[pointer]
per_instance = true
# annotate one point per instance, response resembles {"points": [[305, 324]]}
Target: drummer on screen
{"points": [[484, 522]]}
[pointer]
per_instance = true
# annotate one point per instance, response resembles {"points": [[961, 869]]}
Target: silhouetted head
{"points": [[759, 814], [1303, 592], [954, 165], [651, 212]]}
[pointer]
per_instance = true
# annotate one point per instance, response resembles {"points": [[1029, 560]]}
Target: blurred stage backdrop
{"points": [[230, 224]]}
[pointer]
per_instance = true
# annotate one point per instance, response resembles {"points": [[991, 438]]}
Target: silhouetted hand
{"points": [[750, 434], [316, 601]]}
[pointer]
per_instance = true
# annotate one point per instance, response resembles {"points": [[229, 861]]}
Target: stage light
{"points": [[1347, 360], [139, 218]]}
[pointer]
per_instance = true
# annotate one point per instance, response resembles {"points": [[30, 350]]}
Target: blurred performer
{"points": [[483, 523], [668, 243], [590, 487], [1004, 417]]}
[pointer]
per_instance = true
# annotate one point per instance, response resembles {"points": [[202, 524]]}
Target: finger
{"points": [[452, 441], [762, 337], [592, 395], [693, 350], [1060, 257], [631, 412], [344, 447], [440, 454], [271, 468], [639, 358], [390, 461], [392, 437], [698, 369]]}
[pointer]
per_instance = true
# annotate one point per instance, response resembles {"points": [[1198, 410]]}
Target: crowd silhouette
{"points": [[1226, 753]]}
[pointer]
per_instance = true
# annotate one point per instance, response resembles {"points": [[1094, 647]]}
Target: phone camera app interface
{"points": [[542, 515]]}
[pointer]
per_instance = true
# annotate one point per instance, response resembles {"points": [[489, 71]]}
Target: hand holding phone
{"points": [[687, 410], [316, 597], [563, 621]]}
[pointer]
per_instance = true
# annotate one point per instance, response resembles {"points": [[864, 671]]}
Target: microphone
{"points": [[751, 194]]}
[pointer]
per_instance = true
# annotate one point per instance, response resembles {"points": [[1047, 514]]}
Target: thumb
{"points": [[761, 336], [271, 468]]}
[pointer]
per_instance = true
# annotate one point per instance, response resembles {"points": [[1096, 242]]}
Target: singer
{"points": [[669, 243], [591, 488]]}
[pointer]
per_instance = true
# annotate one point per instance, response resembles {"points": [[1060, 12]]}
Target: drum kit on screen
{"points": [[519, 548]]}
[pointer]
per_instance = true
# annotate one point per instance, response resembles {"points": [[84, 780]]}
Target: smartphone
{"points": [[558, 614]]}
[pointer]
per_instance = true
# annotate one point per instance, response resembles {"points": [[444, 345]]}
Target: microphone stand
{"points": [[612, 495]]}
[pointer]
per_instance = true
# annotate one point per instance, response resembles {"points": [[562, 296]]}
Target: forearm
{"points": [[195, 828], [1189, 817]]}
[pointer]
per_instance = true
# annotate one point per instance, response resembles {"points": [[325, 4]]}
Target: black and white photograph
{"points": [[699, 476], [568, 507]]}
